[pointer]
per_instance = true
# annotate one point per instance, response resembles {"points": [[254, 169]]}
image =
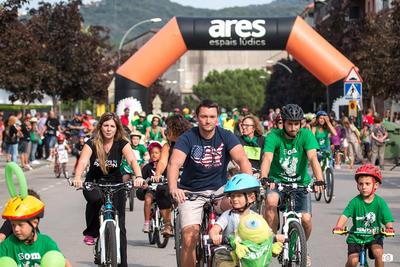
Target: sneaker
{"points": [[35, 162], [146, 227], [308, 260], [167, 230], [50, 159], [89, 240]]}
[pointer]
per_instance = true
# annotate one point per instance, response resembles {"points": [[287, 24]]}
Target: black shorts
{"points": [[356, 248], [161, 196]]}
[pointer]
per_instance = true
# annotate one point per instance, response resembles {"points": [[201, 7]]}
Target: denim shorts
{"points": [[302, 201]]}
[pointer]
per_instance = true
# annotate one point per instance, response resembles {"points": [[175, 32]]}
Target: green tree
{"points": [[234, 88]]}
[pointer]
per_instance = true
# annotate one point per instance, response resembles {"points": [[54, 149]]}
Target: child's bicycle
{"points": [[204, 246], [294, 251], [157, 221], [325, 158], [362, 256], [107, 247]]}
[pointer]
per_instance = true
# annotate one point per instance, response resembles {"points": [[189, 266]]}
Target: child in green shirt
{"points": [[26, 246], [369, 213]]}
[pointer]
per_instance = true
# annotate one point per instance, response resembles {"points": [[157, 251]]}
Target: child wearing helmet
{"points": [[369, 212], [26, 246], [242, 190], [161, 195], [61, 151]]}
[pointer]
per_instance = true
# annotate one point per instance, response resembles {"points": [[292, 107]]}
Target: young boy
{"points": [[161, 195], [139, 149], [368, 212], [242, 191], [26, 245], [61, 150]]}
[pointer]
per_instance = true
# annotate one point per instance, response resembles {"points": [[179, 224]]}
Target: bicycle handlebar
{"points": [[282, 187], [191, 196], [349, 232], [89, 186]]}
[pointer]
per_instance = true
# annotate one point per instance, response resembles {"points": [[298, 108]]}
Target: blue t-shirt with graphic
{"points": [[205, 167]]}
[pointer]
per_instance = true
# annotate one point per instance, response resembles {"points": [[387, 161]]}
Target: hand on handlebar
{"points": [[319, 186], [77, 183], [339, 231], [139, 182], [265, 181], [388, 232], [156, 178], [178, 195]]}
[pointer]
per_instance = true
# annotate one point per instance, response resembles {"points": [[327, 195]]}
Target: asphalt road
{"points": [[64, 221]]}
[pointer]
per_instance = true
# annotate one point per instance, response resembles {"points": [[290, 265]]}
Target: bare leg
{"points": [[190, 237]]}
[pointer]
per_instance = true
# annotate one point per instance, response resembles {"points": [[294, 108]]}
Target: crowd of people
{"points": [[197, 153]]}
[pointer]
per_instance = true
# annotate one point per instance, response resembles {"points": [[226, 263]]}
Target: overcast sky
{"points": [[212, 4]]}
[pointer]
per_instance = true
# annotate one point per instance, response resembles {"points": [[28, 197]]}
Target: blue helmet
{"points": [[321, 113], [242, 182]]}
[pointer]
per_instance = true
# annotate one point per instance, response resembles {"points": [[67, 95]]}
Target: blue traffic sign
{"points": [[352, 90]]}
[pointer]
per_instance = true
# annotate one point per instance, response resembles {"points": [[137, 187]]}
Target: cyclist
{"points": [[161, 195], [204, 152], [286, 154], [252, 140], [368, 212], [104, 152], [322, 130], [26, 245], [242, 192], [140, 124], [141, 153]]}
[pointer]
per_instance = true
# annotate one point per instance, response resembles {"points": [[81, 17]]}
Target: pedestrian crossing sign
{"points": [[352, 90]]}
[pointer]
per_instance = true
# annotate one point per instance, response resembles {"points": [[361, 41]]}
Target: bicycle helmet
{"points": [[18, 209], [369, 170], [136, 133], [242, 183], [153, 145], [321, 113], [60, 138], [292, 112]]}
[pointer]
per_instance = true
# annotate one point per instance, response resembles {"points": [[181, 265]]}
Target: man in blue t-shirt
{"points": [[204, 152]]}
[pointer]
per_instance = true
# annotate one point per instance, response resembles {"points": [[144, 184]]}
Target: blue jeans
{"points": [[13, 150], [34, 147]]}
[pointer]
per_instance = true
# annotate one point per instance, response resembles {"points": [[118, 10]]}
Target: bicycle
{"points": [[362, 256], [294, 251], [107, 247], [156, 221], [325, 159], [204, 246]]}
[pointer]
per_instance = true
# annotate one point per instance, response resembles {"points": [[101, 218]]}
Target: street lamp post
{"points": [[153, 20]]}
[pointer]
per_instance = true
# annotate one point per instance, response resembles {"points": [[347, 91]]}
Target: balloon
{"points": [[7, 262], [53, 258], [10, 169]]}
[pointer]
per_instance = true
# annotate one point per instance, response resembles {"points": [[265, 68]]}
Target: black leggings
{"points": [[161, 196], [93, 205]]}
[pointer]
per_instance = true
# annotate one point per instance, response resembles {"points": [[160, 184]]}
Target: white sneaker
{"points": [[35, 162], [50, 159]]}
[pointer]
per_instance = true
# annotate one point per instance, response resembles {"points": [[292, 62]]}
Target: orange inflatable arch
{"points": [[181, 34]]}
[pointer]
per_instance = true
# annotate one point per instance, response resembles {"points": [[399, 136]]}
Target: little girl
{"points": [[161, 195]]}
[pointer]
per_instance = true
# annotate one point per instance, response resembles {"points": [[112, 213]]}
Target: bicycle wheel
{"points": [[317, 195], [151, 233], [328, 192], [110, 245], [161, 241], [297, 245], [177, 237], [131, 198]]}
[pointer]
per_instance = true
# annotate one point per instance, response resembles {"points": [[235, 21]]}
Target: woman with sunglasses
{"points": [[103, 152], [155, 132], [252, 140]]}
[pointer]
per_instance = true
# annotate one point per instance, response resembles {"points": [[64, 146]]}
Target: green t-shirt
{"points": [[367, 217], [290, 162], [323, 138], [139, 150], [141, 126], [27, 255]]}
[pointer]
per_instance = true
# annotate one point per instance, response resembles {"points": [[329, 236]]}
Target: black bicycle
{"points": [[204, 246]]}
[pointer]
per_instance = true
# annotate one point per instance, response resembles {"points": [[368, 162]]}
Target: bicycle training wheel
{"points": [[178, 238], [328, 192], [297, 245], [110, 245], [162, 241]]}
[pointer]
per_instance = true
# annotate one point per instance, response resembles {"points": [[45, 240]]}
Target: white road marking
{"points": [[44, 189]]}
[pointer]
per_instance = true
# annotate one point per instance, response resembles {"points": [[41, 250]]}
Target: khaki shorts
{"points": [[191, 212]]}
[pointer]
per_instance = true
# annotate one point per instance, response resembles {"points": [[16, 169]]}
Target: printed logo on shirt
{"points": [[29, 256], [207, 156], [109, 163], [368, 221], [289, 164]]}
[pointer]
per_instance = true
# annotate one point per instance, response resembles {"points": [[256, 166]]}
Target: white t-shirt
{"points": [[229, 222]]}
